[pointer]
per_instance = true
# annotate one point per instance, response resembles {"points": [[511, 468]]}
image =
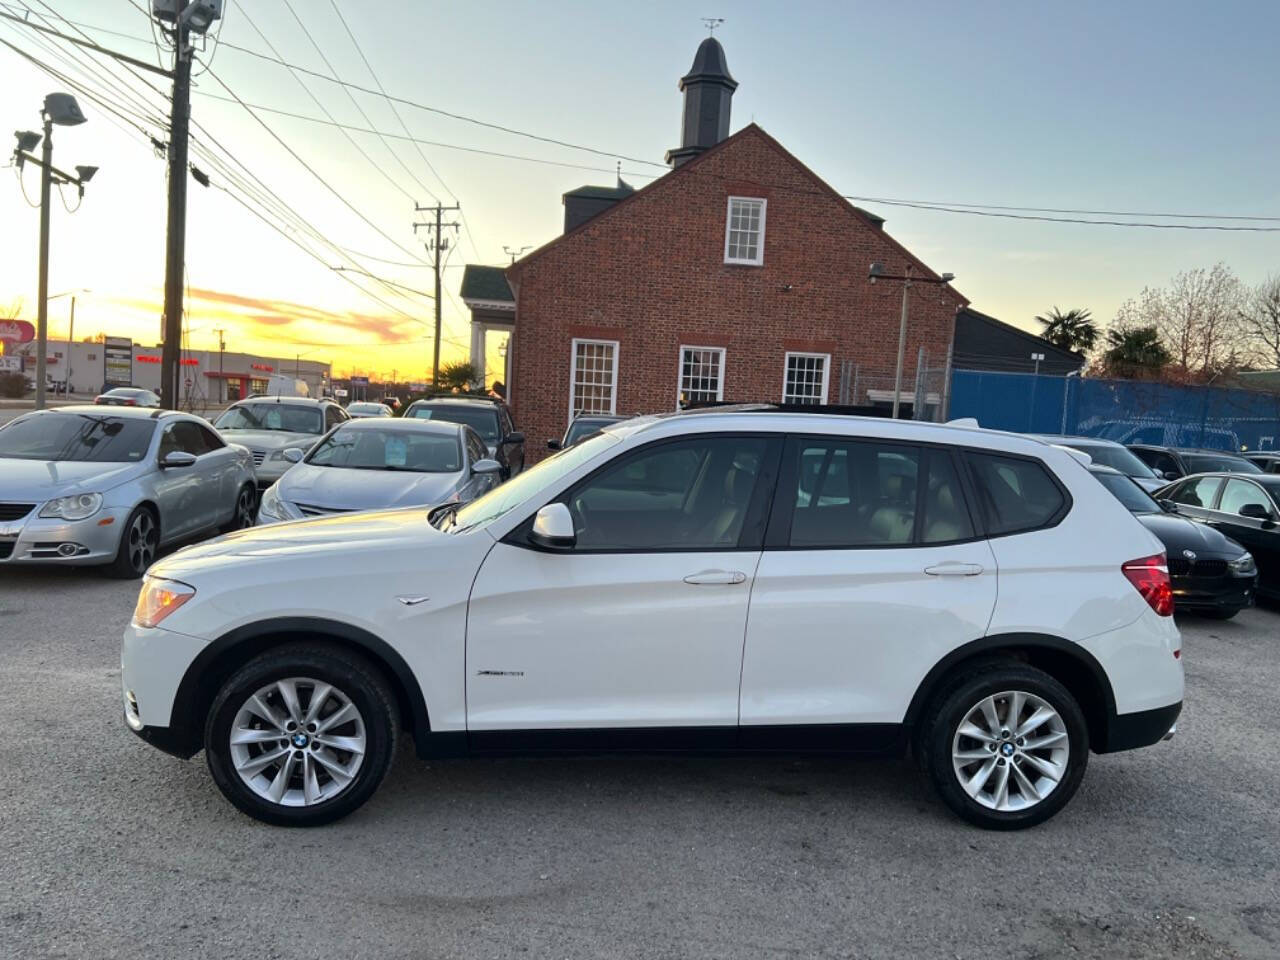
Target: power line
{"points": [[1099, 213]]}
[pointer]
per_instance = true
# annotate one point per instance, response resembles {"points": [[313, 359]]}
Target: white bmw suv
{"points": [[758, 581]]}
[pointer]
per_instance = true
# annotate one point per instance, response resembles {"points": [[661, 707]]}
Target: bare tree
{"points": [[1198, 319], [12, 311], [1260, 314]]}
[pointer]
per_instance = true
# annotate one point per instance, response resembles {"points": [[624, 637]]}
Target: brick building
{"points": [[738, 276]]}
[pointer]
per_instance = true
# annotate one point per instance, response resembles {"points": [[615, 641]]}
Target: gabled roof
{"points": [[691, 168], [481, 282], [1038, 342]]}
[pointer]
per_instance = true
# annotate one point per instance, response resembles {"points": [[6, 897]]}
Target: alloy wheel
{"points": [[1010, 751], [298, 742], [142, 539], [244, 509]]}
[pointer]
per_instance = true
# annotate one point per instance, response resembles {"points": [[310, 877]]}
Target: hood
{"points": [[342, 489], [44, 479], [270, 439], [293, 541], [1179, 533]]}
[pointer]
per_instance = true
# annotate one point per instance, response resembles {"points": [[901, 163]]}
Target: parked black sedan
{"points": [[1210, 573], [1244, 507], [1174, 462]]}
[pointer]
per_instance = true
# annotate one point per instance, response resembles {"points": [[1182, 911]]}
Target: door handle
{"points": [[724, 577], [954, 568]]}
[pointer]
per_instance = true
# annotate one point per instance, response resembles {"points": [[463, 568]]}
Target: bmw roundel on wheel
{"points": [[736, 580]]}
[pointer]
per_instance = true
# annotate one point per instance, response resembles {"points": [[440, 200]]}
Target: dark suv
{"points": [[1174, 462], [488, 417]]}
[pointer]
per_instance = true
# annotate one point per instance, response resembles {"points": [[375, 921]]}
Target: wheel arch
{"points": [[223, 656], [1067, 662]]}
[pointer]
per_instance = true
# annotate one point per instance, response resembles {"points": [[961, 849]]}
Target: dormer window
{"points": [[744, 231]]}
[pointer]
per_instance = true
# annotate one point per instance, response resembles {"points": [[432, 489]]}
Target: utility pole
{"points": [[437, 245], [222, 346], [42, 316], [176, 241], [71, 333], [877, 273]]}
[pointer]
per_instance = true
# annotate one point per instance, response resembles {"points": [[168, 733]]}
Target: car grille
{"points": [[314, 510], [14, 511], [1207, 567], [258, 456]]}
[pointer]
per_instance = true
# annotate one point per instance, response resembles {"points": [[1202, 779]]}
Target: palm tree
{"points": [[1073, 330], [457, 376], [1135, 352]]}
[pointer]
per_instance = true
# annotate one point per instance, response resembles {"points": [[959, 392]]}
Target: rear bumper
{"points": [[1128, 731]]}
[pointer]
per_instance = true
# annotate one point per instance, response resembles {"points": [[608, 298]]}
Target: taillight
{"points": [[1150, 577]]}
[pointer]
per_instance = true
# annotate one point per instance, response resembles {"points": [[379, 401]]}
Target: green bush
{"points": [[13, 385]]}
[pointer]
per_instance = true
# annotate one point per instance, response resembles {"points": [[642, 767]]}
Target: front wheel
{"points": [[246, 510], [139, 542], [301, 735], [1006, 746]]}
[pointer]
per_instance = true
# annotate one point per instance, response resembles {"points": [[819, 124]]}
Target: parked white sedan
{"points": [[727, 580]]}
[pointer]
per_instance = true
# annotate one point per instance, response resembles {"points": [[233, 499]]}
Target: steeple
{"points": [[707, 89]]}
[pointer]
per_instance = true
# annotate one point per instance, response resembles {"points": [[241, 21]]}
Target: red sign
{"points": [[142, 358], [185, 361], [17, 331], [262, 366]]}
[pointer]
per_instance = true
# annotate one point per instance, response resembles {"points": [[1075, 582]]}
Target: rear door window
{"points": [[1241, 493], [1196, 493], [1016, 494]]}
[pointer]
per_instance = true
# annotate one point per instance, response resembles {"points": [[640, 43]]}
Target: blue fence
{"points": [[1123, 410]]}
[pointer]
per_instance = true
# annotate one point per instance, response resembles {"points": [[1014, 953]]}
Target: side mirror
{"points": [[554, 445], [1167, 505], [514, 438], [486, 466], [1255, 511], [553, 527], [177, 459], [294, 455], [1171, 475]]}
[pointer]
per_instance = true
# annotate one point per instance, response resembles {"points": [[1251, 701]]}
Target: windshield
{"points": [[374, 408], [1118, 458], [1218, 463], [357, 449], [484, 420], [1128, 493], [77, 436], [286, 417], [528, 482]]}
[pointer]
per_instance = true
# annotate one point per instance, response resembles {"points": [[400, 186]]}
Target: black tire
{"points": [[355, 679], [953, 705], [1220, 614], [139, 545], [246, 512]]}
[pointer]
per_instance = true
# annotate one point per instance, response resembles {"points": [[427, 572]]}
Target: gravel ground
{"points": [[112, 849]]}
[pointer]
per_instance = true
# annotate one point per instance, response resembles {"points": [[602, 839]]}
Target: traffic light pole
{"points": [[176, 240]]}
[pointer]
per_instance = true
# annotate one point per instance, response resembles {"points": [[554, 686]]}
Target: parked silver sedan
{"points": [[86, 485], [379, 464]]}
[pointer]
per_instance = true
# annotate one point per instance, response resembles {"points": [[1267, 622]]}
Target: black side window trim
{"points": [[778, 536], [754, 526], [1055, 519]]}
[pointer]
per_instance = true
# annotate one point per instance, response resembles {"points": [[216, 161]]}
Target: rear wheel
{"points": [[139, 542], [1006, 747], [302, 735]]}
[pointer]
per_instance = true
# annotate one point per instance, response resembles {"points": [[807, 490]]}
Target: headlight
{"points": [[158, 599], [270, 506], [1243, 566], [78, 507]]}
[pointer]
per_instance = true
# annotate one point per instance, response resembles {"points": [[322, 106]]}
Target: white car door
{"points": [[641, 623], [872, 572]]}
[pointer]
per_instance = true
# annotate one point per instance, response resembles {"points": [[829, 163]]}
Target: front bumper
{"points": [[153, 662], [41, 540], [1221, 593]]}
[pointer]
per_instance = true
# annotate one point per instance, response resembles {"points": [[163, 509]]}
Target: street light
{"points": [[60, 109], [876, 272]]}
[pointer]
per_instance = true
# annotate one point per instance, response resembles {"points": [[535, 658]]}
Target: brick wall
{"points": [[650, 273]]}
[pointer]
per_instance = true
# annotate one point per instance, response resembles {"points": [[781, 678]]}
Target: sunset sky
{"points": [[1156, 107]]}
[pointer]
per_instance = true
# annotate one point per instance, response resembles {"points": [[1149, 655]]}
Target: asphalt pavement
{"points": [[112, 849]]}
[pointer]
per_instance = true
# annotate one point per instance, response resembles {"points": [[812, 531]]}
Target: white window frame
{"points": [[573, 373], [826, 371], [680, 370], [728, 221]]}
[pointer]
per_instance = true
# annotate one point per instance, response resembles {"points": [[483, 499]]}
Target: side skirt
{"points": [[866, 739]]}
